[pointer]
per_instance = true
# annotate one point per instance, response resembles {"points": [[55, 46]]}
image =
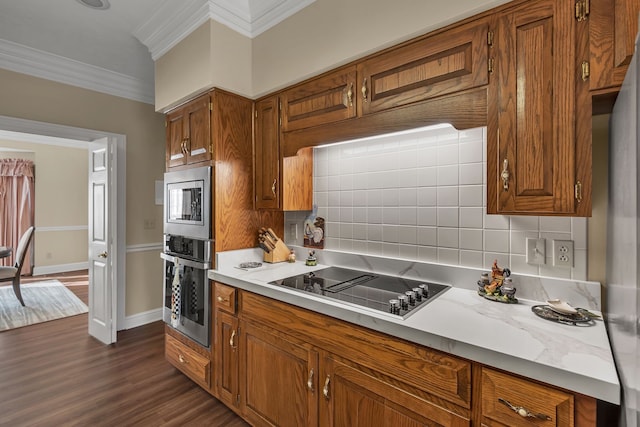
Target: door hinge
{"points": [[586, 72], [490, 38], [166, 123], [210, 106], [211, 148], [237, 399], [578, 191], [256, 114], [582, 10], [490, 65]]}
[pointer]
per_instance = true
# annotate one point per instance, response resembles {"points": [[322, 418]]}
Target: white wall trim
{"points": [[145, 247], [38, 63], [143, 318], [59, 268], [170, 24], [62, 228]]}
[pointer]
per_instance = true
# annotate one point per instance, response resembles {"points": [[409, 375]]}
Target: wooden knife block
{"points": [[279, 254]]}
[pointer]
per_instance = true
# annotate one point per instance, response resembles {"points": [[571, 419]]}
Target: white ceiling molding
{"points": [[37, 63], [172, 22], [253, 17]]}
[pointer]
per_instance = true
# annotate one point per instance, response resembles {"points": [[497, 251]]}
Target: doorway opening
{"points": [[46, 133]]}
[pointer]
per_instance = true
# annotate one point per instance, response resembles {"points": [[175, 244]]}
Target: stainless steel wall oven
{"points": [[187, 302]]}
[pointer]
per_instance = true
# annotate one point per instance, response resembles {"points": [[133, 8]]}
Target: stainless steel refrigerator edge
{"points": [[623, 237]]}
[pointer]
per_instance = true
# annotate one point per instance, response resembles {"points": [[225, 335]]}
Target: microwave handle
{"points": [[187, 262]]}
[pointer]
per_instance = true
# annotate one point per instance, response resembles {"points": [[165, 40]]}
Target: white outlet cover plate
{"points": [[563, 253]]}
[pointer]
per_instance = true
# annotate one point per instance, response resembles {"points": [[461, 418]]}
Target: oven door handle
{"points": [[186, 262]]}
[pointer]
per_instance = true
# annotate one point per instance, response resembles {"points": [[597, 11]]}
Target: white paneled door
{"points": [[102, 298]]}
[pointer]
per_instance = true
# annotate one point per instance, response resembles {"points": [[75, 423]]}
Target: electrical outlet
{"points": [[536, 251], [563, 253]]}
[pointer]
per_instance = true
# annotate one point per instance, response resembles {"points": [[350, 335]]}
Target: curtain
{"points": [[17, 209]]}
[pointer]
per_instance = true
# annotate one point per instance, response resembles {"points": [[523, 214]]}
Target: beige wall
{"points": [[213, 55], [58, 168], [46, 101]]}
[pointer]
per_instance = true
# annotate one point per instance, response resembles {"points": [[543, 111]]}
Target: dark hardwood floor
{"points": [[55, 374]]}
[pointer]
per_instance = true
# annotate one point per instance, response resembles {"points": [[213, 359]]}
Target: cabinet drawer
{"points": [[225, 298], [498, 388], [194, 365]]}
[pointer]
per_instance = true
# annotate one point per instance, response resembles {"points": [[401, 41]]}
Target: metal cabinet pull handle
{"points": [[220, 299], [364, 90], [524, 412], [232, 339], [103, 254], [310, 381], [182, 359], [350, 95], [578, 191], [325, 389], [505, 175], [273, 186]]}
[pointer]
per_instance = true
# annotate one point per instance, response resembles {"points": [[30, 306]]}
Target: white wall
{"points": [[421, 196]]}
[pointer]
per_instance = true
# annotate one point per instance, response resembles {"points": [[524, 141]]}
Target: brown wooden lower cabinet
{"points": [[353, 398], [278, 380], [279, 365], [193, 363], [227, 359]]}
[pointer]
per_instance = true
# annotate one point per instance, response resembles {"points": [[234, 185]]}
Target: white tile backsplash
{"points": [[422, 197]]}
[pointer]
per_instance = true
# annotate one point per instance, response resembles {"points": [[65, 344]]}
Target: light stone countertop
{"points": [[459, 321]]}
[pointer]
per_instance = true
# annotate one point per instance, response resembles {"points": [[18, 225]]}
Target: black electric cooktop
{"points": [[394, 295]]}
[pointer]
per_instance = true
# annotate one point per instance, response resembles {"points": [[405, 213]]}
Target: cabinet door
{"points": [[226, 351], [352, 397], [279, 385], [175, 150], [533, 145], [189, 133], [613, 25], [449, 62], [267, 153], [328, 99], [197, 115], [539, 405]]}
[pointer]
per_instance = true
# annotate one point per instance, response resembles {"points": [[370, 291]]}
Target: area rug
{"points": [[44, 301]]}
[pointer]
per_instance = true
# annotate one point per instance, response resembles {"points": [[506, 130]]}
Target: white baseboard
{"points": [[140, 319], [60, 268]]}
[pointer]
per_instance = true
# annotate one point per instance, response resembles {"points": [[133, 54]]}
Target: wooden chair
{"points": [[13, 273]]}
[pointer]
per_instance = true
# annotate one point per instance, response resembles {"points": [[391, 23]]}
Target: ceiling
{"points": [[113, 50]]}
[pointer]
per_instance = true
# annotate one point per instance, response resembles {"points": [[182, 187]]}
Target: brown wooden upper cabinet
{"points": [[280, 182], [538, 138], [613, 25], [441, 64], [189, 133], [321, 101], [267, 153]]}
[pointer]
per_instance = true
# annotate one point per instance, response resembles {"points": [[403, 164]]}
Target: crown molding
{"points": [[37, 63], [250, 22], [172, 22]]}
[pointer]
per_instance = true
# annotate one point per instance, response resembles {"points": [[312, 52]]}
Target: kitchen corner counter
{"points": [[460, 322]]}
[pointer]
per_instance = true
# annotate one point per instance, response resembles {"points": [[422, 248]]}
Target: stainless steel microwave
{"points": [[187, 203]]}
